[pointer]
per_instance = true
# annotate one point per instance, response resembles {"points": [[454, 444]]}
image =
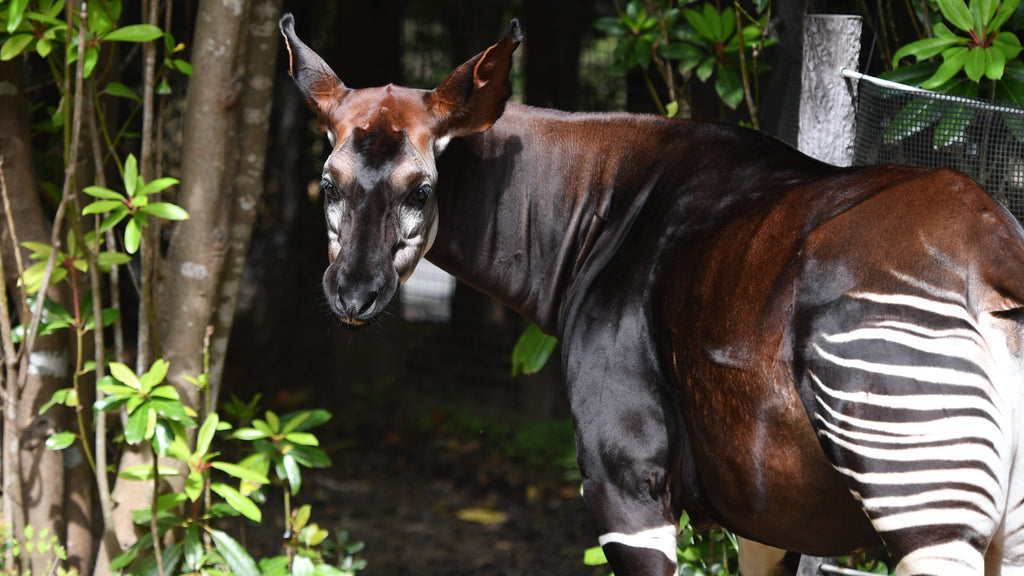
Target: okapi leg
{"points": [[626, 428]]}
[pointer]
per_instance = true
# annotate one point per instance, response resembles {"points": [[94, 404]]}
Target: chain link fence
{"points": [[899, 124]]}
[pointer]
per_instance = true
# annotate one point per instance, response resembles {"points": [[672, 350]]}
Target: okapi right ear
{"points": [[473, 96], [320, 86]]}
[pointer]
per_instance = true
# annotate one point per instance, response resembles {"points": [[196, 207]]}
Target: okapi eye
{"points": [[328, 189], [418, 199]]}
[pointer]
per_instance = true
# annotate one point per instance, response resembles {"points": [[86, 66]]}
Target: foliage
{"points": [[532, 350], [699, 553], [679, 40], [197, 491], [134, 202], [41, 541], [977, 57]]}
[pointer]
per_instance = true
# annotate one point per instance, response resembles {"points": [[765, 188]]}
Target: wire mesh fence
{"points": [[903, 125]]}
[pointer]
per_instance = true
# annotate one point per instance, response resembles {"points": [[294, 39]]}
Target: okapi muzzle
{"points": [[378, 182]]}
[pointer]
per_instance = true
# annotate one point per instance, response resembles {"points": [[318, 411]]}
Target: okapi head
{"points": [[379, 179]]}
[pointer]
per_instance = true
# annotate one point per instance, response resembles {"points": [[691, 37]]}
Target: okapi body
{"points": [[819, 359]]}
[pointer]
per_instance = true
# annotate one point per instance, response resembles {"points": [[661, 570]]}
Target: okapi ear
{"points": [[473, 96], [318, 83]]}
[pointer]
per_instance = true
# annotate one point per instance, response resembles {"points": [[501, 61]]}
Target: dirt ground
{"points": [[427, 472]]}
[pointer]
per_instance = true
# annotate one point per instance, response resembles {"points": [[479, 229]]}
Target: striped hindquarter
{"points": [[914, 399]]}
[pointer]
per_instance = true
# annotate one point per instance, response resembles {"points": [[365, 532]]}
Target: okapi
{"points": [[819, 359]]}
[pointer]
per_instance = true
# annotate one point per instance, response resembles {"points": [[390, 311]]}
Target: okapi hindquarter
{"points": [[817, 358]]}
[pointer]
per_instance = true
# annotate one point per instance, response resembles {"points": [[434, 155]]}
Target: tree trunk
{"points": [[225, 133], [37, 493]]}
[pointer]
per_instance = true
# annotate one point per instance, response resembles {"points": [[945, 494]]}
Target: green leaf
{"points": [[1006, 10], [205, 436], [58, 398], [953, 62], [105, 193], [301, 517], [61, 440], [303, 438], [273, 421], [981, 12], [15, 13], [125, 374], [249, 434], [700, 24], [915, 116], [41, 249], [107, 259], [183, 66], [139, 425], [145, 472], [165, 210], [43, 47], [14, 46], [995, 63], [1008, 44], [952, 126], [243, 504], [975, 64], [241, 472], [158, 185], [132, 236], [194, 485], [131, 174], [309, 456], [193, 547], [302, 566], [121, 91], [92, 56], [101, 206], [304, 420], [611, 26], [594, 556], [924, 49], [113, 219], [134, 33], [126, 557], [532, 351], [292, 473], [109, 403], [706, 68], [729, 86], [240, 562], [156, 374], [956, 12]]}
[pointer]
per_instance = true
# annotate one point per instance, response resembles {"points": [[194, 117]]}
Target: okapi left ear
{"points": [[320, 86], [473, 96]]}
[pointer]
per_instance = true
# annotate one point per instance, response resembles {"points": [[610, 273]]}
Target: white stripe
{"points": [[911, 402], [950, 346], [920, 373], [942, 495], [963, 333], [955, 453], [940, 308], [939, 293], [982, 523], [939, 429], [970, 477], [949, 559], [662, 539]]}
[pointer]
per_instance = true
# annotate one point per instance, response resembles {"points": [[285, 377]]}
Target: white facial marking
{"points": [[662, 539], [440, 144]]}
